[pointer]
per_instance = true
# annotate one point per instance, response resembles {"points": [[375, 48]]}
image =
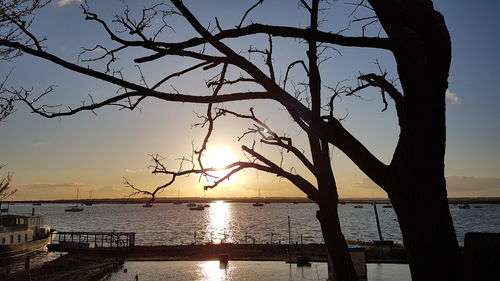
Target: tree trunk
{"points": [[338, 251], [429, 237], [417, 186]]}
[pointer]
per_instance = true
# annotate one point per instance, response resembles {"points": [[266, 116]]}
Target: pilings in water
{"points": [[378, 222]]}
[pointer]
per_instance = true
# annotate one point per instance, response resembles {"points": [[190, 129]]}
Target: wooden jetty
{"points": [[64, 241]]}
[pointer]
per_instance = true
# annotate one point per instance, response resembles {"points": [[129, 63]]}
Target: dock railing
{"points": [[85, 240]]}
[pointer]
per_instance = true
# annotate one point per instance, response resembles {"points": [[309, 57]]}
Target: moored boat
{"points": [[197, 208], [75, 208], [22, 233]]}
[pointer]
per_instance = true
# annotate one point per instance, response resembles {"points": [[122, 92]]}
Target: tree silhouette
{"points": [[417, 37]]}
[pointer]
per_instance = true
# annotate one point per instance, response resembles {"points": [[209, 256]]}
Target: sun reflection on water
{"points": [[213, 271], [219, 216]]}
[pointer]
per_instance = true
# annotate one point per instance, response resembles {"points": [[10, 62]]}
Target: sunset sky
{"points": [[51, 158]]}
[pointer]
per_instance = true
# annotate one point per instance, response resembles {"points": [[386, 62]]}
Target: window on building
{"points": [[19, 238], [11, 239], [26, 237], [3, 240]]}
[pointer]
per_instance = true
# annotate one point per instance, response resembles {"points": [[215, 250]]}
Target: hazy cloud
{"points": [[473, 186], [452, 96], [51, 185], [133, 171], [61, 3], [53, 191]]}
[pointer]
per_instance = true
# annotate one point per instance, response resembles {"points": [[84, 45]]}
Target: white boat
{"points": [[22, 233], [258, 203], [74, 208], [147, 205]]}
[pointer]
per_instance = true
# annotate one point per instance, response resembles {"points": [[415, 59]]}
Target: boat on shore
{"points": [[22, 233], [464, 206], [147, 205]]}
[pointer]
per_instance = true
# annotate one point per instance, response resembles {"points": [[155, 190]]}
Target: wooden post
{"points": [[289, 232], [27, 262], [272, 238], [195, 237], [301, 239], [378, 223]]}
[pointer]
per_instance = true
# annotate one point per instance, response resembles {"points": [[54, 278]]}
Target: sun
{"points": [[218, 157]]}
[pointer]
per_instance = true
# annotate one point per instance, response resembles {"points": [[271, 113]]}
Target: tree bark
{"points": [[417, 186], [338, 251]]}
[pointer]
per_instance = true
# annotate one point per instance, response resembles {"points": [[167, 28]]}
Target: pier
{"points": [[64, 241]]}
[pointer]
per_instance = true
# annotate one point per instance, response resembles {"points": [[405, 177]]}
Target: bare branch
{"points": [[248, 11]]}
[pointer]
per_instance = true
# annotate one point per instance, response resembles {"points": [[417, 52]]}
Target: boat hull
{"points": [[13, 250]]}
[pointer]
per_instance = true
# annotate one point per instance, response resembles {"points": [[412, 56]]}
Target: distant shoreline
{"points": [[457, 200]]}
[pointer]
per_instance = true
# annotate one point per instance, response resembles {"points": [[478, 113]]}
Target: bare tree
{"points": [[6, 189], [414, 180]]}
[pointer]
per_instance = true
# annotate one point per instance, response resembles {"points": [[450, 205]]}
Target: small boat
{"points": [[147, 205], [206, 205], [197, 208], [267, 202], [258, 203], [295, 202], [191, 205], [464, 206], [89, 202], [387, 206], [178, 202], [478, 207], [358, 206], [75, 208], [36, 204]]}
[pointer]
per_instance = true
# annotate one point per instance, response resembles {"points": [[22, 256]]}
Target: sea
{"points": [[230, 222], [169, 224]]}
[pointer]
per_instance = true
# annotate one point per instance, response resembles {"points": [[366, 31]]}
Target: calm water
{"points": [[246, 271], [169, 224]]}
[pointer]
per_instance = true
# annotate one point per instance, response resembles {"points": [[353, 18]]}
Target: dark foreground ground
{"points": [[95, 264]]}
